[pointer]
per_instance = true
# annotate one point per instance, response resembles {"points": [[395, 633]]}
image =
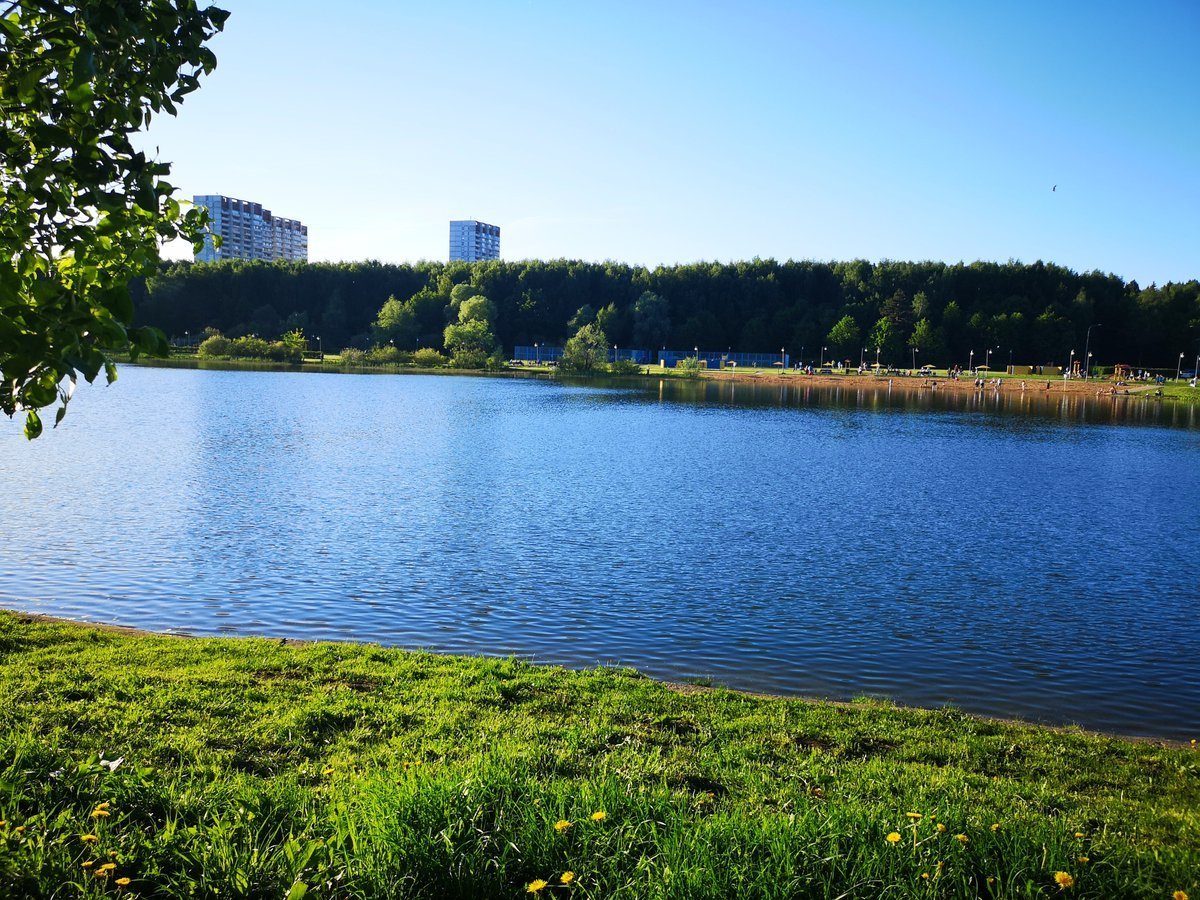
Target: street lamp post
{"points": [[987, 360], [1086, 345], [877, 349], [616, 353], [971, 362], [801, 354], [914, 350], [320, 348], [1179, 366], [1071, 365], [823, 356], [1010, 371], [537, 353], [862, 357], [782, 364]]}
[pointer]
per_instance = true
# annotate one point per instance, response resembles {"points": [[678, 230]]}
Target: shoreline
{"points": [[684, 688], [1095, 389], [916, 383]]}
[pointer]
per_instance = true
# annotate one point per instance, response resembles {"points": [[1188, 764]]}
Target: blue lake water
{"points": [[1014, 556]]}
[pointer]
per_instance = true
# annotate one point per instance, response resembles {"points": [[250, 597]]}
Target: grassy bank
{"points": [[255, 768]]}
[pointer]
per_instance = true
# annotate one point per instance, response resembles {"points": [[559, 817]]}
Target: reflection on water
{"points": [[904, 394], [1000, 553]]}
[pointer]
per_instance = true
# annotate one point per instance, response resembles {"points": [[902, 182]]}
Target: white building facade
{"points": [[471, 241], [248, 231]]}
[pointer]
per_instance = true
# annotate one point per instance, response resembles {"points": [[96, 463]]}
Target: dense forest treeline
{"points": [[1039, 312]]}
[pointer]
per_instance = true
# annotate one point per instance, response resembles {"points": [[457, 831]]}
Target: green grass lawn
{"points": [[261, 769]]}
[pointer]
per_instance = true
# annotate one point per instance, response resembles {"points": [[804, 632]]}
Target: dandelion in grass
{"points": [[599, 815], [567, 877], [99, 813], [925, 875], [1079, 834], [20, 829], [328, 771], [123, 882], [561, 825], [961, 838], [87, 864], [1083, 859], [893, 837], [1180, 895], [536, 886], [1064, 880], [914, 815], [941, 828], [995, 826], [89, 838]]}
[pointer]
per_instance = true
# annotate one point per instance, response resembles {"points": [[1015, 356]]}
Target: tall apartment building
{"points": [[472, 241], [249, 232]]}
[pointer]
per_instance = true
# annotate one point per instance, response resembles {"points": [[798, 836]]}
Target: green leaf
{"points": [[33, 424]]}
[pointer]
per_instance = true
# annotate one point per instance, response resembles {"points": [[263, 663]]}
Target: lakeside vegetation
{"points": [[1039, 312], [154, 766]]}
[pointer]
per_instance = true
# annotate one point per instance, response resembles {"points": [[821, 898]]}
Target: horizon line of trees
{"points": [[1039, 312]]}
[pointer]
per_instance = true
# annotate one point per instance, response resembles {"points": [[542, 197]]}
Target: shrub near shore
{"points": [[138, 765]]}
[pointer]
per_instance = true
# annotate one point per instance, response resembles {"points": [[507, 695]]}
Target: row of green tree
{"points": [[476, 312]]}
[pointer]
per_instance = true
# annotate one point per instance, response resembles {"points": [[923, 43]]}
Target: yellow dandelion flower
{"points": [[112, 854], [88, 864], [561, 825], [914, 815], [567, 877], [1064, 880], [995, 826], [599, 815], [535, 886], [88, 838], [123, 882], [925, 875], [328, 771], [20, 829], [101, 873], [1180, 895], [1079, 834], [893, 837], [99, 813], [961, 838], [108, 867], [1083, 859], [941, 828], [3, 822]]}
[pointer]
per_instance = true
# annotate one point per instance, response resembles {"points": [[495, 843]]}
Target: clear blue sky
{"points": [[664, 132]]}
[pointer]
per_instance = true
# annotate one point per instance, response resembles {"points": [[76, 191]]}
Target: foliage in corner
{"points": [[81, 210]]}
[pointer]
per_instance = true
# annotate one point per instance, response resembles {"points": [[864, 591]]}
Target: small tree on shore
{"points": [[587, 352]]}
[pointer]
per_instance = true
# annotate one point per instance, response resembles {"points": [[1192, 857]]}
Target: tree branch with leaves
{"points": [[82, 212]]}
